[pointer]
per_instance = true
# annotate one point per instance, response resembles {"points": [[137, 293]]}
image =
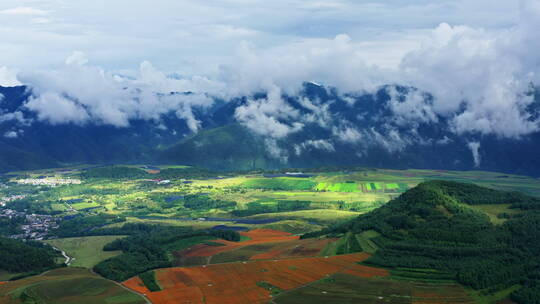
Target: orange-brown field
{"points": [[295, 249], [237, 282], [257, 236], [262, 244]]}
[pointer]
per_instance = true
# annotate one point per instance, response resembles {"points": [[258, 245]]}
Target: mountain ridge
{"points": [[337, 130]]}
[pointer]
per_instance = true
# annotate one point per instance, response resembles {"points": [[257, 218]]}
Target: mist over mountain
{"points": [[316, 127], [463, 97]]}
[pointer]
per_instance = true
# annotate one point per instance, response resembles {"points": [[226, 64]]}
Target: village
{"points": [[51, 182], [36, 226]]}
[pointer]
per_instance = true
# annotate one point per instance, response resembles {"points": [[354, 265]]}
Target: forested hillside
{"points": [[436, 226], [21, 257]]}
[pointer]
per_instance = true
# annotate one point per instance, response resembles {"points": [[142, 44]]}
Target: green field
{"points": [[493, 211], [85, 251], [69, 286], [81, 206], [318, 216], [339, 187], [279, 183]]}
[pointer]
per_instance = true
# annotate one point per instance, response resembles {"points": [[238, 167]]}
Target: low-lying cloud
{"points": [[81, 94]]}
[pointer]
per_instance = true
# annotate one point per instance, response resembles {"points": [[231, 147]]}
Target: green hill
{"points": [[436, 227]]}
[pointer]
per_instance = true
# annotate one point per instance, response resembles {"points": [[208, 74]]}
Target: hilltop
{"points": [[439, 230]]}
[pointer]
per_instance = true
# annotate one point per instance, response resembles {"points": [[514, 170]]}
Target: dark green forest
{"points": [[124, 172], [28, 256]]}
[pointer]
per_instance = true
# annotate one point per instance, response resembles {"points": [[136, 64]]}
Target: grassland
{"points": [[493, 211], [82, 206], [6, 276], [85, 251], [68, 286], [279, 183]]}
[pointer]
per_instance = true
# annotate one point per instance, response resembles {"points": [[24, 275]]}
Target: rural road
{"points": [[67, 257]]}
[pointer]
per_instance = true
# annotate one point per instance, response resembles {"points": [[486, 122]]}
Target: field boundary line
{"points": [[125, 287]]}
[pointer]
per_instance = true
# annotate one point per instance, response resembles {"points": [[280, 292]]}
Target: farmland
{"points": [[327, 196], [271, 211], [67, 285], [345, 288], [213, 283]]}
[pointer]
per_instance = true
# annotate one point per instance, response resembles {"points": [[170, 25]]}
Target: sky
{"points": [[197, 37], [478, 59]]}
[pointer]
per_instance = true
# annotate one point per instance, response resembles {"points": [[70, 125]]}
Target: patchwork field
{"points": [[254, 237], [67, 286], [272, 250], [248, 282], [271, 262]]}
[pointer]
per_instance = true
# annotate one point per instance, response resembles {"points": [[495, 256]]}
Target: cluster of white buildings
{"points": [[5, 200], [52, 182], [36, 226]]}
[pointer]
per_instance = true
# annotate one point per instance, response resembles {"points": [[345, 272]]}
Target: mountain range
{"points": [[317, 126]]}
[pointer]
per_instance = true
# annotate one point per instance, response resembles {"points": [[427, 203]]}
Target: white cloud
{"points": [[347, 134], [480, 77], [320, 144], [79, 93], [266, 116], [11, 134], [475, 150], [58, 109], [77, 58], [23, 10], [275, 151], [333, 62], [8, 77], [411, 107], [17, 116]]}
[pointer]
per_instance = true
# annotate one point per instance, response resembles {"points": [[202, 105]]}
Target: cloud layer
{"points": [[478, 77]]}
